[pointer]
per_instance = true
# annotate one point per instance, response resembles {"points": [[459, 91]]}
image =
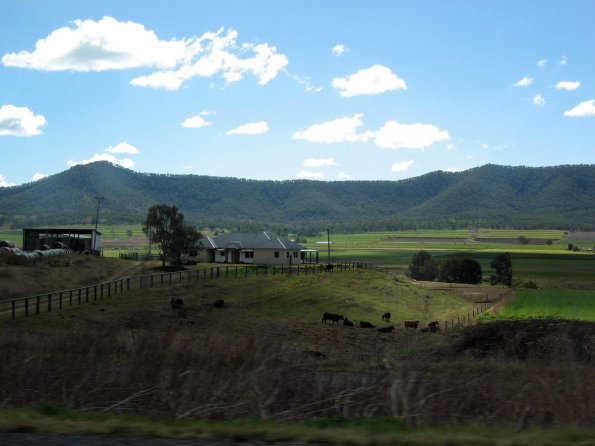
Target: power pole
{"points": [[328, 244], [96, 219]]}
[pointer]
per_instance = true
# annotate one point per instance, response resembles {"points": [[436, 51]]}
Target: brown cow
{"points": [[388, 329], [411, 324]]}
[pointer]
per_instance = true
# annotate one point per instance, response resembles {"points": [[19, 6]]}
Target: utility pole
{"points": [[328, 245], [96, 220]]}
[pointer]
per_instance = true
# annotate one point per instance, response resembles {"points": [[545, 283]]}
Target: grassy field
{"points": [[267, 357], [548, 303]]}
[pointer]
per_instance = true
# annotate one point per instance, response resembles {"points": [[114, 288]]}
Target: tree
{"points": [[165, 227], [503, 267], [454, 270], [523, 240], [549, 242], [423, 266]]}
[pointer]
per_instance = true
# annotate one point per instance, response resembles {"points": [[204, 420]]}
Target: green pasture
{"points": [[549, 303]]}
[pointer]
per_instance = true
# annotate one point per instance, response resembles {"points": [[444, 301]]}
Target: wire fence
{"points": [[57, 300]]}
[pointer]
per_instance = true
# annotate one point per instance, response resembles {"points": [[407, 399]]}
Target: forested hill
{"points": [[496, 196]]}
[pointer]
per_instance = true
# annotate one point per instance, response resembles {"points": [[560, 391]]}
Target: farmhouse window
{"points": [[295, 254], [249, 254], [276, 254]]}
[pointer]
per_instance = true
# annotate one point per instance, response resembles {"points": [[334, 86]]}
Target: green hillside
{"points": [[487, 196]]}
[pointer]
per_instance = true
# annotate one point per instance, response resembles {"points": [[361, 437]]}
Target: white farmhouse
{"points": [[263, 248]]}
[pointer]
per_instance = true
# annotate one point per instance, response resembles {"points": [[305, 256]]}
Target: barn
{"points": [[79, 240]]}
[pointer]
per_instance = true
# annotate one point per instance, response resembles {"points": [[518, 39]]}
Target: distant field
{"points": [[550, 303]]}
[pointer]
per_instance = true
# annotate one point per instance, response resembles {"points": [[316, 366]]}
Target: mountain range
{"points": [[489, 196]]}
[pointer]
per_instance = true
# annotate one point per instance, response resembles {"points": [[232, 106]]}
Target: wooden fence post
{"points": [[70, 299], [37, 304], [60, 301], [87, 295], [80, 296], [14, 310], [49, 303], [26, 307], [95, 293], [101, 291]]}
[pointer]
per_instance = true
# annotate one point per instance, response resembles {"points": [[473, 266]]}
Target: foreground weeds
{"points": [[227, 377]]}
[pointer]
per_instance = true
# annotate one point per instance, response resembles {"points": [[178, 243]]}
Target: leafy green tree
{"points": [[470, 271], [523, 240], [503, 269], [423, 266], [549, 242], [165, 227], [455, 270]]}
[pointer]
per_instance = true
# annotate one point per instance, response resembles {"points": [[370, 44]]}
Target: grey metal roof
{"points": [[259, 240]]}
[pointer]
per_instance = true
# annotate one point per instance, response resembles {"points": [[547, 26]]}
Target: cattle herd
{"points": [[432, 327]]}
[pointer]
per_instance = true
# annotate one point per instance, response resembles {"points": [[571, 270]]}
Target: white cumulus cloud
{"points": [[542, 63], [394, 135], [20, 121], [218, 53], [101, 45], [195, 122], [309, 175], [122, 147], [322, 162], [4, 183], [585, 109], [337, 130], [125, 162], [38, 176], [524, 82], [374, 80], [563, 60], [402, 166], [538, 100], [568, 85], [251, 128], [339, 49], [108, 44]]}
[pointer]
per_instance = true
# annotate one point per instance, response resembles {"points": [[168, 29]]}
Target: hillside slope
{"points": [[498, 196]]}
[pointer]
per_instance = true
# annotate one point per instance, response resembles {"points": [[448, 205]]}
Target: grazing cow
{"points": [[219, 303], [347, 322], [388, 329], [364, 324], [411, 324], [434, 326], [332, 317], [329, 267], [177, 303], [386, 317]]}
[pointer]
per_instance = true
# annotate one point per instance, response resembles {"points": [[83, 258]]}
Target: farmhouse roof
{"points": [[258, 240]]}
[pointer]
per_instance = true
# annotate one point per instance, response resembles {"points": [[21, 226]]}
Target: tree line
{"points": [[424, 266]]}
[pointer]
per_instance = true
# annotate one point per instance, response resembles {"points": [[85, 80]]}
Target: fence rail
{"points": [[49, 302]]}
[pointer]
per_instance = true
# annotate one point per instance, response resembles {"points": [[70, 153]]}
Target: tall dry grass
{"points": [[226, 377]]}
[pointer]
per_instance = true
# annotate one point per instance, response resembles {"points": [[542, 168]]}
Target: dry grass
{"points": [[229, 376]]}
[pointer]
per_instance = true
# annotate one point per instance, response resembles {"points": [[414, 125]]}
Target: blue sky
{"points": [[278, 90]]}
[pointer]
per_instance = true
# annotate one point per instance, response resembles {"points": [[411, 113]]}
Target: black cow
{"points": [[434, 327], [332, 317], [388, 329], [411, 324], [347, 322], [329, 267], [177, 303], [219, 303], [386, 317], [364, 324]]}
